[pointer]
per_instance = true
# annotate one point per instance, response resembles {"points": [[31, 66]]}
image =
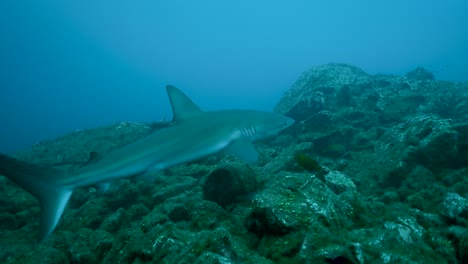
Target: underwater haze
{"points": [[68, 65]]}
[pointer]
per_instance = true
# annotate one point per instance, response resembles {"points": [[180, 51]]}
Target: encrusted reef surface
{"points": [[374, 171]]}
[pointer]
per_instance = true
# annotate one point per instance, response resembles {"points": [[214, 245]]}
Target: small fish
{"points": [[310, 165]]}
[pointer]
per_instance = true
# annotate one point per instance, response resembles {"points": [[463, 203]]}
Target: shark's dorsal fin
{"points": [[182, 106]]}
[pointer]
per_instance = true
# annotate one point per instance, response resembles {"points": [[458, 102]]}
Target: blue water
{"points": [[67, 65]]}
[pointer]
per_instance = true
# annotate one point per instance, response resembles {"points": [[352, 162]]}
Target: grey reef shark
{"points": [[191, 135]]}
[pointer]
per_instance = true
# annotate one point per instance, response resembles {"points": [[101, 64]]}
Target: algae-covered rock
{"points": [[338, 182], [314, 89], [452, 205], [420, 74], [73, 149], [230, 184], [373, 172], [29, 254]]}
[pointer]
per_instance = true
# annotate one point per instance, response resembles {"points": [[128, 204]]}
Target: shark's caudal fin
{"points": [[182, 106], [40, 181]]}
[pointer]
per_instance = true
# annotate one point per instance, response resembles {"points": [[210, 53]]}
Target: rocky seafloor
{"points": [[375, 170]]}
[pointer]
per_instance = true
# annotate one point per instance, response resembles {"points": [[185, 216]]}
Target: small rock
{"points": [[339, 182], [453, 205], [390, 197], [420, 74], [229, 184], [264, 222], [113, 222]]}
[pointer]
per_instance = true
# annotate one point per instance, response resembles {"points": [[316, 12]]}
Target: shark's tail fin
{"points": [[43, 183]]}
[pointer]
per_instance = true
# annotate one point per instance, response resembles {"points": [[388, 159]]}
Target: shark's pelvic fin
{"points": [[94, 157], [103, 187], [40, 181], [146, 177], [182, 106], [243, 149]]}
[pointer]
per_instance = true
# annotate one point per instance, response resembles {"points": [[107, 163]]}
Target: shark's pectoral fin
{"points": [[53, 203], [243, 149], [103, 187]]}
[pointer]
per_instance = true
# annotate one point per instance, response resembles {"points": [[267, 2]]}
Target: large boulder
{"points": [[353, 95]]}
